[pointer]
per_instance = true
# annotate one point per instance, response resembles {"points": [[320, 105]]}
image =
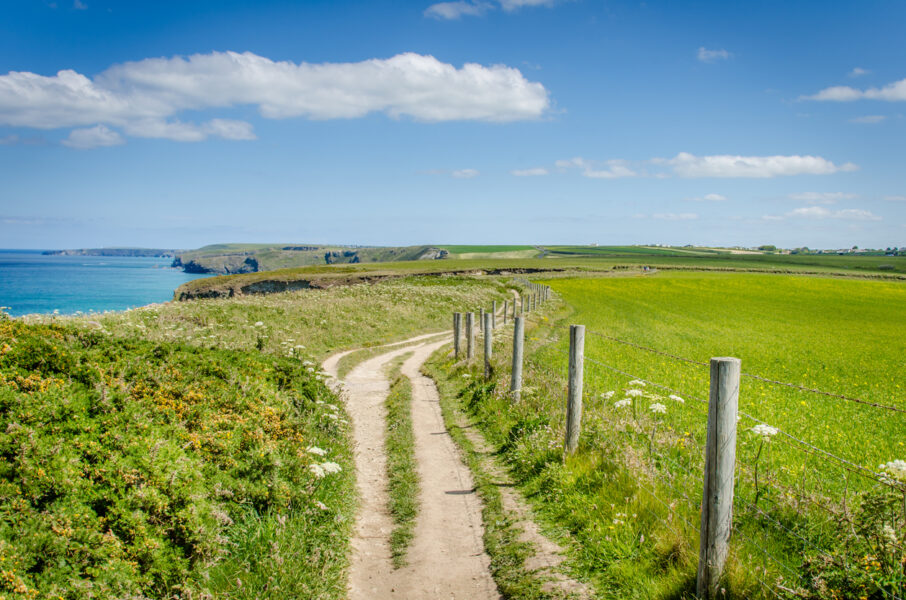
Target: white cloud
{"points": [[529, 172], [689, 165], [892, 92], [476, 8], [895, 198], [710, 56], [145, 96], [868, 119], [819, 212], [609, 169], [675, 216], [858, 72], [455, 10], [822, 197], [465, 173], [714, 197], [93, 137], [511, 5], [189, 132]]}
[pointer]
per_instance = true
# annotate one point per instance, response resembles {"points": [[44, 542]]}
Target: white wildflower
{"points": [[317, 470], [259, 323], [316, 450], [637, 383], [890, 534], [676, 398], [622, 403], [333, 407], [310, 369], [320, 505], [766, 432], [317, 378], [331, 467], [633, 393], [306, 363], [658, 408], [607, 395], [896, 469]]}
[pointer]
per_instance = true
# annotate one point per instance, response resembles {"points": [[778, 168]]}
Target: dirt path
{"points": [[447, 558]]}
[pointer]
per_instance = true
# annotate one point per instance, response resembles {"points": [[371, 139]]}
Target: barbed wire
{"points": [[653, 383], [806, 446], [753, 376]]}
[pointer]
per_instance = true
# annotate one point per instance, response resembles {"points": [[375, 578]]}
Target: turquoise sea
{"points": [[31, 282]]}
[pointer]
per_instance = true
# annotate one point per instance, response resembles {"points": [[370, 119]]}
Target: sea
{"points": [[32, 282]]}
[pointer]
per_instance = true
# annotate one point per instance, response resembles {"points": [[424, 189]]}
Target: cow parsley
{"points": [[658, 408], [622, 403], [765, 432]]}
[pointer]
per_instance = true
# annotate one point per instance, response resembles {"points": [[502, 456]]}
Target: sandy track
{"points": [[447, 557]]}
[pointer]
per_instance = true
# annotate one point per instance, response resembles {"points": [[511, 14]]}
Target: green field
{"points": [[629, 498]]}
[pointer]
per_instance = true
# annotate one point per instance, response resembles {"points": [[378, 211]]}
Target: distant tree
{"points": [[768, 247]]}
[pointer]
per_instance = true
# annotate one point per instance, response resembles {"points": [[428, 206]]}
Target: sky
{"points": [[180, 123]]}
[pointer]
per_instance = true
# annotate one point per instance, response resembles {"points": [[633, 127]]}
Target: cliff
{"points": [[130, 252]]}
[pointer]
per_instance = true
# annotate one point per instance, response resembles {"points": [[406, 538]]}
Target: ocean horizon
{"points": [[32, 282]]}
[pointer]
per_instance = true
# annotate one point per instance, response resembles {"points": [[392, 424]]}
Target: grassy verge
{"points": [[154, 469], [308, 323], [502, 534], [401, 464]]}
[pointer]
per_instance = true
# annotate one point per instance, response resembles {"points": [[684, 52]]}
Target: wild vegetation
{"points": [[806, 525], [159, 469]]}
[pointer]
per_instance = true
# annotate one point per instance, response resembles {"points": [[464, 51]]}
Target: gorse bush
{"points": [[134, 469]]}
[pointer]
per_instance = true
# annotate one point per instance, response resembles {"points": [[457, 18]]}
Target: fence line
{"points": [[795, 386], [806, 446], [717, 503]]}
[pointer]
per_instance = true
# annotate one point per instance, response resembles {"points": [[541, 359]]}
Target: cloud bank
{"points": [[145, 97], [452, 11], [892, 92], [690, 166]]}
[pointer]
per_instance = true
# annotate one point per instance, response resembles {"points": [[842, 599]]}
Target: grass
{"points": [[402, 475], [308, 324], [629, 498], [156, 469]]}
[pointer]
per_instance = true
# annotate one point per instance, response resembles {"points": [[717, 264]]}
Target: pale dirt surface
{"points": [[447, 557]]}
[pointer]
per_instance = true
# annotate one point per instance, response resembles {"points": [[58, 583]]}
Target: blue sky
{"points": [[178, 124]]}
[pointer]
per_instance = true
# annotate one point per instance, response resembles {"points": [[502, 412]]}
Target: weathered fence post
{"points": [[574, 395], [494, 315], [481, 320], [516, 372], [505, 305], [457, 334], [470, 335], [488, 343], [720, 463], [514, 309]]}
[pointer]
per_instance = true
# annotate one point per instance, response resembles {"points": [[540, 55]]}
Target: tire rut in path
{"points": [[446, 557]]}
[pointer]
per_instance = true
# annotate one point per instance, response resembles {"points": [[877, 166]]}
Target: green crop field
{"points": [[630, 496]]}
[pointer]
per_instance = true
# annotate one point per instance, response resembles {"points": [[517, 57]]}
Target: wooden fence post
{"points": [[505, 306], [514, 309], [470, 335], [481, 320], [720, 463], [457, 334], [494, 315], [488, 343], [518, 344], [574, 396]]}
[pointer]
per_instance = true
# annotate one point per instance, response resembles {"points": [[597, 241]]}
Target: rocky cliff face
{"points": [[229, 265]]}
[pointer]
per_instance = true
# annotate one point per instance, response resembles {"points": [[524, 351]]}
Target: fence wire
{"points": [[751, 375]]}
